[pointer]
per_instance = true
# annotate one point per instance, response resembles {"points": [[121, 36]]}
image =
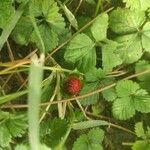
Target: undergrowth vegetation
{"points": [[74, 74]]}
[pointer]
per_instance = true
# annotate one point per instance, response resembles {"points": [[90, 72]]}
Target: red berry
{"points": [[73, 85]]}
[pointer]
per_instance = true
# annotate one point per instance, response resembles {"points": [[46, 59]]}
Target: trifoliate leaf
{"points": [[78, 48], [141, 145], [87, 62], [110, 58], [126, 88], [22, 32], [129, 48], [90, 141], [137, 4], [6, 9], [145, 85], [50, 23], [146, 36], [94, 75], [139, 130], [50, 38], [90, 87], [126, 21], [142, 66], [99, 27]]}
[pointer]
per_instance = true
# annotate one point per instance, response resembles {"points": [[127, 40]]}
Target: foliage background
{"points": [[103, 42]]}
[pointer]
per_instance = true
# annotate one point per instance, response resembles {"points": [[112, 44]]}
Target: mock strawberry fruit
{"points": [[73, 85]]}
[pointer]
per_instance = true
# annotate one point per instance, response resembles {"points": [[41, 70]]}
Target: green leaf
{"points": [[139, 130], [12, 23], [89, 124], [87, 62], [137, 4], [129, 48], [142, 103], [123, 108], [110, 58], [142, 66], [22, 32], [5, 136], [91, 141], [141, 145], [78, 48], [90, 87], [126, 21], [146, 36], [50, 38], [109, 94], [17, 125], [52, 131], [94, 75], [11, 126], [99, 27], [6, 9], [70, 17], [126, 88]]}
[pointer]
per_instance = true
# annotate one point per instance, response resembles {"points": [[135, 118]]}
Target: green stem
{"points": [[99, 4]]}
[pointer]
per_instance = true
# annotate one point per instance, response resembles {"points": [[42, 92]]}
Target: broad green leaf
{"points": [[129, 48], [90, 141], [142, 103], [78, 48], [139, 130], [146, 36], [126, 21], [99, 27], [90, 87], [11, 126], [141, 145], [17, 125], [70, 17], [110, 58], [137, 4], [89, 124], [142, 66], [14, 18], [87, 62], [6, 9], [126, 88], [52, 131], [123, 108], [50, 38], [94, 75], [22, 32], [5, 136]]}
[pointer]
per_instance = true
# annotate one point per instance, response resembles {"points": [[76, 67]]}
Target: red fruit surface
{"points": [[73, 85]]}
